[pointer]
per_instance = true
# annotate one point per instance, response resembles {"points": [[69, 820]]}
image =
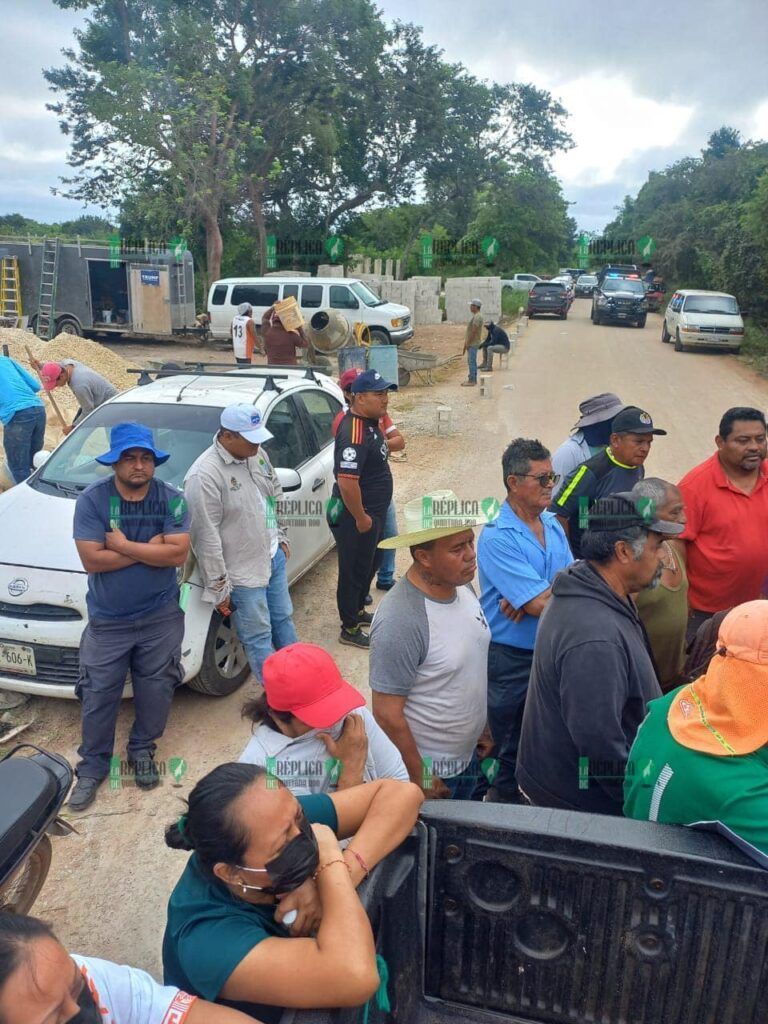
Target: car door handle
{"points": [[317, 484]]}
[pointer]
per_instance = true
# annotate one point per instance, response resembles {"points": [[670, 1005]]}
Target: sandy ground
{"points": [[108, 886]]}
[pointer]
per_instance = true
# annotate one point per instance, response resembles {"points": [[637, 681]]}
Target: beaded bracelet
{"points": [[328, 864]]}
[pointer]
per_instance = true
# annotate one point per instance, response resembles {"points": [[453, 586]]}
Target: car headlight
{"points": [[396, 323], [602, 301]]}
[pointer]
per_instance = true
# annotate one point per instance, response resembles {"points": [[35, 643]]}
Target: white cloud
{"points": [[22, 153], [24, 108], [759, 128], [610, 124]]}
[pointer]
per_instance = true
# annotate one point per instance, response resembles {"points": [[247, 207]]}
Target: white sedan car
{"points": [[42, 582]]}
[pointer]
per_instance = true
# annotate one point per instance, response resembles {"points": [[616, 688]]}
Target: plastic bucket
{"points": [[384, 359], [351, 358]]}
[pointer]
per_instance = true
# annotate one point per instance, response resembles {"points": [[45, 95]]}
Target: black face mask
{"points": [[89, 1012], [295, 863]]}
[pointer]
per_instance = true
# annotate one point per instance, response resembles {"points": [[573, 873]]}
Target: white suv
{"points": [[708, 319], [42, 582]]}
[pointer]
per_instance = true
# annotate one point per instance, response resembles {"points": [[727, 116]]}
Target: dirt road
{"points": [[108, 887]]}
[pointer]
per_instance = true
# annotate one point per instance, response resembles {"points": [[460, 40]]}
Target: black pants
{"points": [[150, 648], [509, 669], [359, 558]]}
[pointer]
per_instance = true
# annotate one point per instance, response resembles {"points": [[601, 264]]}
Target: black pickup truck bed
{"points": [[491, 913]]}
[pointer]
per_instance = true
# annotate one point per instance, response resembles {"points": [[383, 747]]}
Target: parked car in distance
{"points": [[701, 318], [42, 581], [567, 282], [618, 270], [520, 282], [389, 322], [586, 284], [620, 300], [654, 293], [548, 297]]}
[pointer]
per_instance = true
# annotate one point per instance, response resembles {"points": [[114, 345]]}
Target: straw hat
{"points": [[725, 712], [439, 514]]}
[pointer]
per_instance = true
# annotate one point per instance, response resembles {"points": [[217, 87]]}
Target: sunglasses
{"points": [[544, 479]]}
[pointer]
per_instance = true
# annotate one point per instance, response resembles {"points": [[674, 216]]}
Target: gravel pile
{"points": [[63, 346]]}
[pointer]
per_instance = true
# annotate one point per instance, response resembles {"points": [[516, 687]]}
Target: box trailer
{"points": [[97, 290]]}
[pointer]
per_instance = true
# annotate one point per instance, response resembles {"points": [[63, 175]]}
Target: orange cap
{"points": [[725, 712]]}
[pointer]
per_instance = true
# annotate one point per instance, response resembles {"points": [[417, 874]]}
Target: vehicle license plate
{"points": [[15, 658], [621, 314]]}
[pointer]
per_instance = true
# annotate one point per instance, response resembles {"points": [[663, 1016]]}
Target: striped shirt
{"points": [[361, 453]]}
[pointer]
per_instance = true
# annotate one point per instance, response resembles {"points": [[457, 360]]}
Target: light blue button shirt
{"points": [[18, 389], [514, 564]]}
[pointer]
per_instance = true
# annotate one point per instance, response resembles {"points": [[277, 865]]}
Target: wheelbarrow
{"points": [[414, 361]]}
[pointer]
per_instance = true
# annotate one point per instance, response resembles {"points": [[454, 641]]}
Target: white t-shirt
{"points": [[126, 995], [303, 762], [435, 653], [240, 336]]}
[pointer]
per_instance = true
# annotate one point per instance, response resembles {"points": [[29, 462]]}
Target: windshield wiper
{"points": [[72, 490]]}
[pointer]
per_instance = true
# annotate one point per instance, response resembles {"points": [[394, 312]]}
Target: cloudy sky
{"points": [[642, 89]]}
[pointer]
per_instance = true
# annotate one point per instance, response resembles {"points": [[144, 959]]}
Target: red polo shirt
{"points": [[727, 534]]}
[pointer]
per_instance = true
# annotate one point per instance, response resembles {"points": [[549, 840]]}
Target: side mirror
{"points": [[40, 458], [289, 479]]}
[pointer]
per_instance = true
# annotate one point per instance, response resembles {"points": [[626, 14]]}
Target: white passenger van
{"points": [[389, 323]]}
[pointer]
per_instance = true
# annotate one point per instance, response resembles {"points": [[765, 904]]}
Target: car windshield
{"points": [[549, 286], [724, 304], [364, 293], [623, 284], [587, 279], [183, 430]]}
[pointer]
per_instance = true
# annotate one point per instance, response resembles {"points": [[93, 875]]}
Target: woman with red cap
{"points": [[313, 730], [702, 752]]}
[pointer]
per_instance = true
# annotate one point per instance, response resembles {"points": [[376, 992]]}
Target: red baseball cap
{"points": [[49, 374], [305, 680], [345, 380]]}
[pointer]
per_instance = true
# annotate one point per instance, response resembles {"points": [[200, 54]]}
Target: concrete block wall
{"points": [[330, 270], [427, 309], [403, 292], [288, 273], [460, 290]]}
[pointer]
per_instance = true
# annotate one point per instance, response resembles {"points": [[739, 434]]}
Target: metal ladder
{"points": [[10, 287], [46, 319], [181, 291]]}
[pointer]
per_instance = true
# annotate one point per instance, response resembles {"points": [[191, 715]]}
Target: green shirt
{"points": [[210, 930], [668, 782]]}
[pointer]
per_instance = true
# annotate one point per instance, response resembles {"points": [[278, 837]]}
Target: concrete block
{"points": [[357, 264], [330, 270], [459, 291], [389, 268], [366, 265], [288, 273], [397, 269], [403, 292], [377, 267]]}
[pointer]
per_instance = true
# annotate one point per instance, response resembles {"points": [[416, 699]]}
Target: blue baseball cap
{"points": [[371, 380], [130, 435]]}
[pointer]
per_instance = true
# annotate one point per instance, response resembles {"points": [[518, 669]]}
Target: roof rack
{"points": [[196, 370]]}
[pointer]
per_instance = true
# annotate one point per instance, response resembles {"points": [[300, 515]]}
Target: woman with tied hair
{"points": [[265, 915], [40, 983]]}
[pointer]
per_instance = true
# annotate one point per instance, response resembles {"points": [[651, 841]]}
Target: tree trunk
{"points": [[257, 209], [214, 249]]}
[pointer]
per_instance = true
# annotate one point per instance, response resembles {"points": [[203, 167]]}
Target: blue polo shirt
{"points": [[18, 390], [513, 564]]}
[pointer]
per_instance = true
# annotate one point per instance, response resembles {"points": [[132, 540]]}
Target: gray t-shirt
{"points": [[89, 388], [435, 653]]}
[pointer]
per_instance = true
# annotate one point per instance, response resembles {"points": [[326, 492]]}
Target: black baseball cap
{"points": [[370, 380], [621, 510], [633, 420]]}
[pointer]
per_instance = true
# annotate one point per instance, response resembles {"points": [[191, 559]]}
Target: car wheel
{"points": [[735, 351], [225, 666], [641, 322], [379, 337], [564, 316], [68, 325], [665, 335], [679, 346]]}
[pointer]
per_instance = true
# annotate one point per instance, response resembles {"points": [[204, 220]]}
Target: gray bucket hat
{"points": [[598, 409]]}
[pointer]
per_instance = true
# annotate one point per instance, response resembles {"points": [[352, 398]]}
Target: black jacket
{"points": [[592, 677]]}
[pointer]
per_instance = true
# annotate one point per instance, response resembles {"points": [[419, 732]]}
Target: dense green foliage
{"points": [[229, 120], [709, 218]]}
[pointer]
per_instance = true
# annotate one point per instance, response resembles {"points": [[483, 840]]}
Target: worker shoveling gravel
{"points": [[63, 346]]}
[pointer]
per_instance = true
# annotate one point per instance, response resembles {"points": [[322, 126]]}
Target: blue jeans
{"points": [[509, 669], [387, 563], [464, 785], [472, 364], [262, 617], [23, 435]]}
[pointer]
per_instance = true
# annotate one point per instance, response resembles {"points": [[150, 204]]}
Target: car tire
{"points": [[679, 346], [665, 335], [68, 325], [641, 322], [225, 666], [564, 316], [735, 351], [379, 337]]}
